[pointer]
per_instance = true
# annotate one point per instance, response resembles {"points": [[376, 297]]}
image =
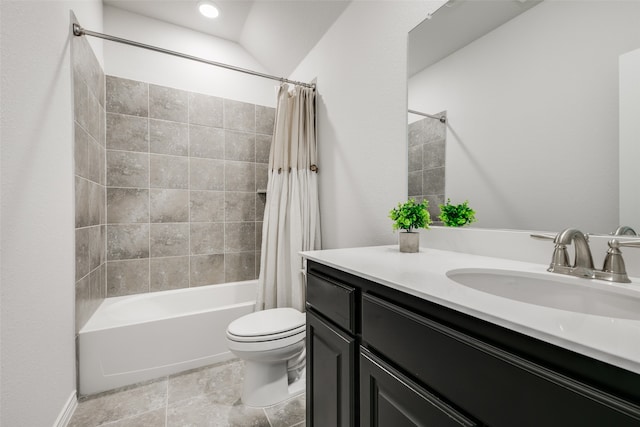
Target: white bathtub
{"points": [[140, 337]]}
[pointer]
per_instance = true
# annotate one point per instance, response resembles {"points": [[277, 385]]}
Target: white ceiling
{"points": [[278, 33], [456, 24]]}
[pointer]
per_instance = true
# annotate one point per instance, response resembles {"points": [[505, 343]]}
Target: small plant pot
{"points": [[409, 241]]}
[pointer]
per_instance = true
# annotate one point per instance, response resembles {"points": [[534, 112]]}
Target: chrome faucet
{"points": [[583, 262], [613, 269]]}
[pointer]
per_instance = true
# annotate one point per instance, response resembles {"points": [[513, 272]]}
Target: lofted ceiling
{"points": [[456, 24], [278, 33]]}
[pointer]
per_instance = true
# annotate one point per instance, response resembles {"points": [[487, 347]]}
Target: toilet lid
{"points": [[268, 322]]}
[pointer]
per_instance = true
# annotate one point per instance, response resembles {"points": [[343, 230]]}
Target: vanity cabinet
{"points": [[414, 362], [495, 386], [388, 398], [331, 353], [330, 374]]}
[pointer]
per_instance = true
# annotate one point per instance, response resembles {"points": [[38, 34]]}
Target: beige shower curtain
{"points": [[292, 215]]}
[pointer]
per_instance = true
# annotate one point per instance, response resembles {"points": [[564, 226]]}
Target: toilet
{"points": [[271, 343]]}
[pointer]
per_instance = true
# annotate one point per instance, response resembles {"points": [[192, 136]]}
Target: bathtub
{"points": [[141, 337]]}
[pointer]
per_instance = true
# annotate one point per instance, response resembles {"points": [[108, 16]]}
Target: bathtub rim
{"points": [[107, 302]]}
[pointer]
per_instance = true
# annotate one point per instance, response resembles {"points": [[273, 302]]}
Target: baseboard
{"points": [[67, 411]]}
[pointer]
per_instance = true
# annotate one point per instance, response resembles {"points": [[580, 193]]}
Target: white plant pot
{"points": [[409, 241]]}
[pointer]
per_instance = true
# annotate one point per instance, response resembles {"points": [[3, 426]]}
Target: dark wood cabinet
{"points": [[388, 398], [335, 300], [496, 387], [330, 374], [412, 362]]}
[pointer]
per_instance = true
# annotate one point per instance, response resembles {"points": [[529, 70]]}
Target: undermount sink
{"points": [[564, 293]]}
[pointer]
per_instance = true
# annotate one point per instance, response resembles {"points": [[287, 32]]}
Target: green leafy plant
{"points": [[457, 215], [410, 215]]}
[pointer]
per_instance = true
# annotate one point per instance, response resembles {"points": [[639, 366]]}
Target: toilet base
{"points": [[299, 386], [265, 384]]}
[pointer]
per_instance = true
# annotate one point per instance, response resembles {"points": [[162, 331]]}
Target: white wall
{"points": [[361, 70], [166, 70], [629, 137], [37, 209], [523, 158]]}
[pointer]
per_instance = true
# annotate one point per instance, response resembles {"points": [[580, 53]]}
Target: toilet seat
{"points": [[270, 337], [268, 325]]}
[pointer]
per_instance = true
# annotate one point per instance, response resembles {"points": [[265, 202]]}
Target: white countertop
{"points": [[612, 340]]}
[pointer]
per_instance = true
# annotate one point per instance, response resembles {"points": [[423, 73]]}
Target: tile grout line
{"points": [[255, 187], [106, 195], [103, 125], [110, 423], [267, 417], [149, 183], [224, 196], [189, 97], [166, 406]]}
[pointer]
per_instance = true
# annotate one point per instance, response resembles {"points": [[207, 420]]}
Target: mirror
{"points": [[533, 109]]}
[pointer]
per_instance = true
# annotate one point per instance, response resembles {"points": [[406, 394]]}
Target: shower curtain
{"points": [[292, 215]]}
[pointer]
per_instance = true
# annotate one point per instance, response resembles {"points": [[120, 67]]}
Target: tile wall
{"points": [[90, 191], [427, 139], [182, 174]]}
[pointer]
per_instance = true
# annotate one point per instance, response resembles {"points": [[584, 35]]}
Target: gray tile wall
{"points": [[90, 191], [182, 175], [427, 139]]}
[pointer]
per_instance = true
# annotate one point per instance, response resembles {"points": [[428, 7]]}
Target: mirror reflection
{"points": [[539, 111], [427, 166]]}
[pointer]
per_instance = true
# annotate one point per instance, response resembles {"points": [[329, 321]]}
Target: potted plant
{"points": [[407, 217], [457, 215]]}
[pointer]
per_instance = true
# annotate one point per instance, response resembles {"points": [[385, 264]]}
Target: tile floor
{"points": [[208, 396]]}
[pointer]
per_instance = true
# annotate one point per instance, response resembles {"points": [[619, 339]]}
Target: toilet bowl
{"points": [[267, 341]]}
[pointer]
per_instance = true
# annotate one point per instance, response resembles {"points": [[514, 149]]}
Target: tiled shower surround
{"points": [[89, 159], [427, 139], [182, 174]]}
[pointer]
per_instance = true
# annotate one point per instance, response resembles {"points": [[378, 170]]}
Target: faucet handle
{"points": [[614, 269], [542, 236], [548, 236], [560, 256], [624, 243]]}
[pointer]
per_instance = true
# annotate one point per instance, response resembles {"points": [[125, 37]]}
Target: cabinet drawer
{"points": [[388, 398], [334, 300], [493, 386]]}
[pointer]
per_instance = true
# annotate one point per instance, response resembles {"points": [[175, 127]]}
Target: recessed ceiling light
{"points": [[208, 9]]}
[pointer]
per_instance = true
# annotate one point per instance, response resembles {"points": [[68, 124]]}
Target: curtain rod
{"points": [[443, 119], [79, 31]]}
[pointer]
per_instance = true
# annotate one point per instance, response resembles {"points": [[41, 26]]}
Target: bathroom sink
{"points": [[547, 290]]}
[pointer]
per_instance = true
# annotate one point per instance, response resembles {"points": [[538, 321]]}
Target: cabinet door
{"points": [[330, 375], [387, 398]]}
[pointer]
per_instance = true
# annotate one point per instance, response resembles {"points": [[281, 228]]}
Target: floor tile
{"points": [[288, 413], [203, 397], [203, 411], [155, 418], [222, 383], [125, 403]]}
